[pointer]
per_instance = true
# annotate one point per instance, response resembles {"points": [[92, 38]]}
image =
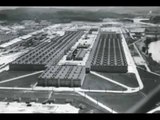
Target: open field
{"points": [[118, 102], [25, 96], [149, 80], [11, 74], [22, 82], [128, 79], [96, 83]]}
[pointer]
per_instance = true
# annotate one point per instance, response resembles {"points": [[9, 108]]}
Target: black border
{"points": [[80, 3], [86, 3]]}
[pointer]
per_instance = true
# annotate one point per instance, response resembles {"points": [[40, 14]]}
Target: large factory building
{"points": [[63, 75], [108, 54]]}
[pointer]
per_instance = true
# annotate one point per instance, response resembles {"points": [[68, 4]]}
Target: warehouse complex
{"points": [[68, 58], [46, 54], [70, 71]]}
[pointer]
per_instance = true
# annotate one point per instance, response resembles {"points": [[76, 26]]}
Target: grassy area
{"points": [[96, 83], [32, 95], [24, 95], [9, 94], [128, 79], [149, 80], [23, 82], [11, 74], [118, 102], [155, 68]]}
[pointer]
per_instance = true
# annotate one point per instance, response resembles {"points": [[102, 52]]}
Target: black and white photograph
{"points": [[80, 59]]}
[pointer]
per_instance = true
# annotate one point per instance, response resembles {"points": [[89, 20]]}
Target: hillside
{"points": [[57, 15]]}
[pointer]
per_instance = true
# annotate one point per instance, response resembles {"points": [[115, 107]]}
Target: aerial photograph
{"points": [[78, 59]]}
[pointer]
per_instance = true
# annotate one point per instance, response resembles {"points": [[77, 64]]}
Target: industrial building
{"points": [[24, 40], [62, 75], [92, 30], [80, 54], [77, 54], [46, 54], [108, 54]]}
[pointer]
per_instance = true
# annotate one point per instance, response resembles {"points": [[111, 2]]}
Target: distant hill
{"points": [[131, 10], [68, 14], [58, 15]]}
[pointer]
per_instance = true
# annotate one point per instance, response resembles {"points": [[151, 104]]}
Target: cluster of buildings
{"points": [[31, 39], [67, 58], [8, 33], [47, 55]]}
